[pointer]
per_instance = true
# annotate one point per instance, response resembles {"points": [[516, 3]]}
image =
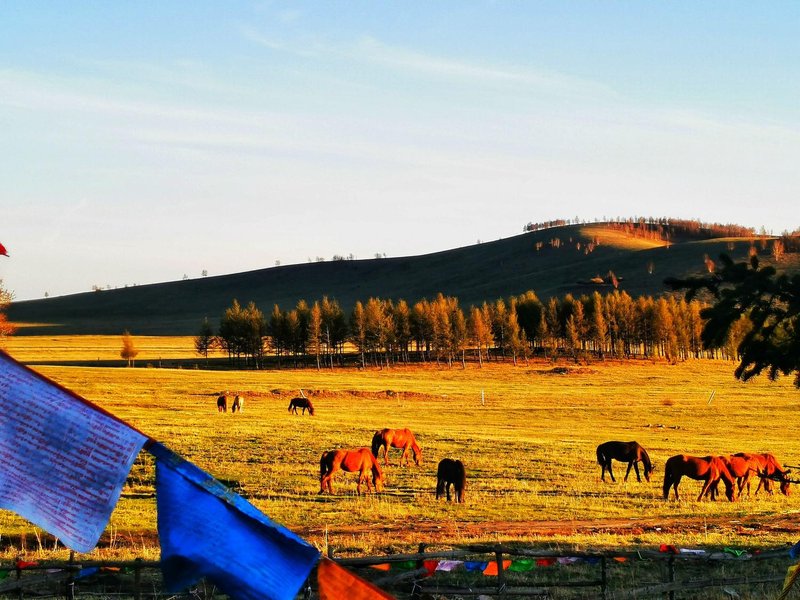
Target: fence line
{"points": [[60, 577]]}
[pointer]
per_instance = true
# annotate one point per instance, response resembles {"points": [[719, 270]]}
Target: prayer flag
{"points": [[520, 565], [449, 565], [337, 583], [471, 565], [491, 568], [63, 461], [3, 250], [208, 531], [794, 551]]}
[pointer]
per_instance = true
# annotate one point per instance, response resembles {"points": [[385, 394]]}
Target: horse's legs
{"points": [[707, 486], [628, 471], [611, 471], [447, 487], [636, 469]]}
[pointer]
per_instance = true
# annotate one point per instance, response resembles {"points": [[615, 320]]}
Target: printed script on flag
{"points": [[63, 462]]}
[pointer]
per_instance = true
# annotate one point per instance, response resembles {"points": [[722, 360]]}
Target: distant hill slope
{"points": [[487, 271]]}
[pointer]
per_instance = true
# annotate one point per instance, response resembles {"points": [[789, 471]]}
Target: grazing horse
{"points": [[629, 452], [768, 469], [709, 469], [451, 472], [238, 403], [303, 403], [222, 403], [360, 460], [396, 438]]}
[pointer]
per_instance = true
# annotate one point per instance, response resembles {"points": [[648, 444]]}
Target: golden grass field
{"points": [[529, 449]]}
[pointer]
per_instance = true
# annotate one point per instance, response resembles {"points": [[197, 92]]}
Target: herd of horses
{"points": [[364, 461], [735, 471]]}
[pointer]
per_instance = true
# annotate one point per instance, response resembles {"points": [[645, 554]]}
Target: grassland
{"points": [[528, 447]]}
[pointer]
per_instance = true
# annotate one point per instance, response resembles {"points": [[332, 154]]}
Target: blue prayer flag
{"points": [[63, 461], [208, 531]]}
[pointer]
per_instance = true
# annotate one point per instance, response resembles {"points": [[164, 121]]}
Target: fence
{"points": [[497, 571]]}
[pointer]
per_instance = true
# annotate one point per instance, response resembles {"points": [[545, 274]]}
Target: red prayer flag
{"points": [[337, 583], [545, 562], [3, 250]]}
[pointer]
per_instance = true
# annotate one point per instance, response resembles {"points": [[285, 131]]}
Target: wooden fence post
{"points": [[70, 591], [137, 579], [19, 576], [671, 574], [501, 575]]}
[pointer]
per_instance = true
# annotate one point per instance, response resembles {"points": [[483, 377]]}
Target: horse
{"points": [[451, 472], [396, 438], [629, 452], [709, 469], [222, 403], [740, 467], [238, 403], [768, 469], [303, 403], [360, 459]]}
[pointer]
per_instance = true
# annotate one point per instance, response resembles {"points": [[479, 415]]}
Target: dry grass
{"points": [[529, 448]]}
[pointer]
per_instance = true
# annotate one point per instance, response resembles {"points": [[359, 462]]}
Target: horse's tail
{"points": [[601, 458], [323, 464], [377, 442], [291, 403]]}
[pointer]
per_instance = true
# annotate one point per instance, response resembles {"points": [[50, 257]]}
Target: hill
{"points": [[551, 262]]}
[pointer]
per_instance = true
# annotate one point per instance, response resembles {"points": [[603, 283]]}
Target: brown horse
{"points": [[222, 403], [396, 438], [740, 467], [360, 460], [451, 472], [629, 452], [708, 469], [302, 403], [238, 403], [768, 469]]}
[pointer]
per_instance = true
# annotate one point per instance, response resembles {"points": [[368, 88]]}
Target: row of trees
{"points": [[382, 332]]}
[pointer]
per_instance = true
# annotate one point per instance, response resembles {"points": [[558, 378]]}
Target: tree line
{"points": [[382, 332]]}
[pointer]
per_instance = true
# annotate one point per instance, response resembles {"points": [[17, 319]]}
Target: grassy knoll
{"points": [[529, 449]]}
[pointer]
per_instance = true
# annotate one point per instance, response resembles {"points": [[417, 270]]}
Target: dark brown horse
{"points": [[768, 469], [396, 438], [222, 403], [360, 460], [302, 403], [629, 452], [708, 469], [451, 472]]}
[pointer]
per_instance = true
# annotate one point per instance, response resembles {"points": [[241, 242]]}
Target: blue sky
{"points": [[145, 141]]}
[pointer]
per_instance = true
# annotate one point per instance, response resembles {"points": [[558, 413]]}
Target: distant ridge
{"points": [[575, 259]]}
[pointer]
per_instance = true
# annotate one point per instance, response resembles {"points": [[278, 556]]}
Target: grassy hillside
{"points": [[473, 274]]}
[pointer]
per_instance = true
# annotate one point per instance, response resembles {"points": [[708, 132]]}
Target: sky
{"points": [[143, 142]]}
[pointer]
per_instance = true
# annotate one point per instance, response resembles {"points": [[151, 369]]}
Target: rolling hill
{"points": [[551, 262]]}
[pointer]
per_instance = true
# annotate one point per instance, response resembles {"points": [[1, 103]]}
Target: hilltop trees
{"points": [[756, 311]]}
